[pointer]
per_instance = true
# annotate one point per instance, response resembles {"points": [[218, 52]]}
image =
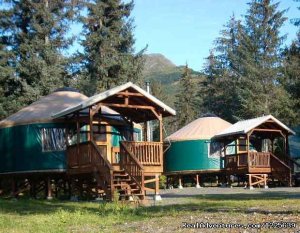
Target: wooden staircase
{"points": [[127, 188], [280, 172], [140, 164]]}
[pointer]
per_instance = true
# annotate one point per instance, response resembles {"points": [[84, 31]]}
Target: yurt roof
{"points": [[41, 110], [202, 128], [243, 127]]}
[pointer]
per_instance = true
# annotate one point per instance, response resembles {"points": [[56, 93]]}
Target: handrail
{"points": [[107, 163], [132, 166], [147, 153], [280, 161], [86, 155]]}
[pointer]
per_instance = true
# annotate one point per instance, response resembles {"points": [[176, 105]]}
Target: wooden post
{"points": [[49, 189], [145, 131], [250, 181], [157, 196], [78, 137], [265, 181], [180, 184], [91, 115], [197, 181], [160, 128], [14, 188]]}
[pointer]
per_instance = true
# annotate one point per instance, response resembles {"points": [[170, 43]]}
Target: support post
{"points": [[49, 189], [265, 181], [197, 182], [160, 128], [250, 182], [157, 196], [180, 184], [14, 188]]}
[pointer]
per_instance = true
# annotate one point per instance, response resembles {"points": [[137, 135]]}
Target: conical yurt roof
{"points": [[42, 109], [202, 128]]}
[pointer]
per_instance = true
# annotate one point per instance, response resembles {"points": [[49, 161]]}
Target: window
{"points": [[99, 132], [214, 149], [242, 144], [53, 139]]}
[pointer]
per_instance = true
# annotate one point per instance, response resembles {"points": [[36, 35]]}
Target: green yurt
{"points": [[294, 148], [192, 150], [30, 141]]}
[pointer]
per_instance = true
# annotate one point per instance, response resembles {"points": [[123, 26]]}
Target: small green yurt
{"points": [[191, 148]]}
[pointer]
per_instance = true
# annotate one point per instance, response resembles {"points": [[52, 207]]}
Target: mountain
{"points": [[157, 63], [160, 69]]}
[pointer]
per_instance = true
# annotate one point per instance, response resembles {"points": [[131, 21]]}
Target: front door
{"points": [[102, 139]]}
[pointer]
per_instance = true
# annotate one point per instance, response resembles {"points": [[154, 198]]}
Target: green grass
{"points": [[25, 215]]}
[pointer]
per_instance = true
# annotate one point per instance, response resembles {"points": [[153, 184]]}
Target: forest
{"points": [[249, 73]]}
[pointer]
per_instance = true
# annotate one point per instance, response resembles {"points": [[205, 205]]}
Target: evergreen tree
{"points": [[223, 74], [108, 57], [292, 73], [169, 123], [260, 46], [33, 34], [185, 99]]}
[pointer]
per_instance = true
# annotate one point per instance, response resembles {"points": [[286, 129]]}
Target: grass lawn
{"points": [[25, 215]]}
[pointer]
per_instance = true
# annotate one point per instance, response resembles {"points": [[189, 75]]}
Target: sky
{"points": [[184, 30]]}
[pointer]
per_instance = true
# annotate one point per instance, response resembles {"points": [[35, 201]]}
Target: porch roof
{"points": [[128, 99], [243, 127]]}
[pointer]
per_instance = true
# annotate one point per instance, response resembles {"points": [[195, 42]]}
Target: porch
{"points": [[257, 148], [84, 156], [129, 165]]}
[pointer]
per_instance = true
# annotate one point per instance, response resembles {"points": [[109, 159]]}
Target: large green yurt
{"points": [[191, 149], [31, 141]]}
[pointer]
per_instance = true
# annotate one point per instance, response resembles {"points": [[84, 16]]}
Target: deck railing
{"points": [[147, 153], [131, 165], [87, 155], [248, 160]]}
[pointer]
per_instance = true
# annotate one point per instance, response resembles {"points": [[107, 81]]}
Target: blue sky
{"points": [[184, 30]]}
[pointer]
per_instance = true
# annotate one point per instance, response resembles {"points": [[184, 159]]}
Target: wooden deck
{"points": [[138, 161], [252, 162], [258, 166]]}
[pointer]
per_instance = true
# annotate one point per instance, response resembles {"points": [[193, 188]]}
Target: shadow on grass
{"points": [[205, 203]]}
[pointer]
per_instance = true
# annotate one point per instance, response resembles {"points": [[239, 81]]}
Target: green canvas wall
{"points": [[190, 155], [21, 149]]}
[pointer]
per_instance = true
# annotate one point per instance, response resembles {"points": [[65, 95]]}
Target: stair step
{"points": [[134, 194], [121, 180], [121, 175]]}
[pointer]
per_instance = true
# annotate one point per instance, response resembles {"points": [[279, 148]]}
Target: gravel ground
{"points": [[179, 196], [254, 215]]}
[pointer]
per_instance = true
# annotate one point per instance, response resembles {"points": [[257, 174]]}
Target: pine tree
{"points": [[108, 57], [292, 73], [260, 48], [32, 39], [185, 99], [223, 74]]}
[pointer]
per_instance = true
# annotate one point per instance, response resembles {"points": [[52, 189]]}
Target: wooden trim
{"points": [[149, 189], [128, 106], [126, 93]]}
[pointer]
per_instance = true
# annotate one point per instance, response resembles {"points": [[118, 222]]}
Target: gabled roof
{"points": [[243, 127], [201, 128], [111, 97]]}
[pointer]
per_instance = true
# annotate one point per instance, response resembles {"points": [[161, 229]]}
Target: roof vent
{"points": [[71, 89], [208, 115]]}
